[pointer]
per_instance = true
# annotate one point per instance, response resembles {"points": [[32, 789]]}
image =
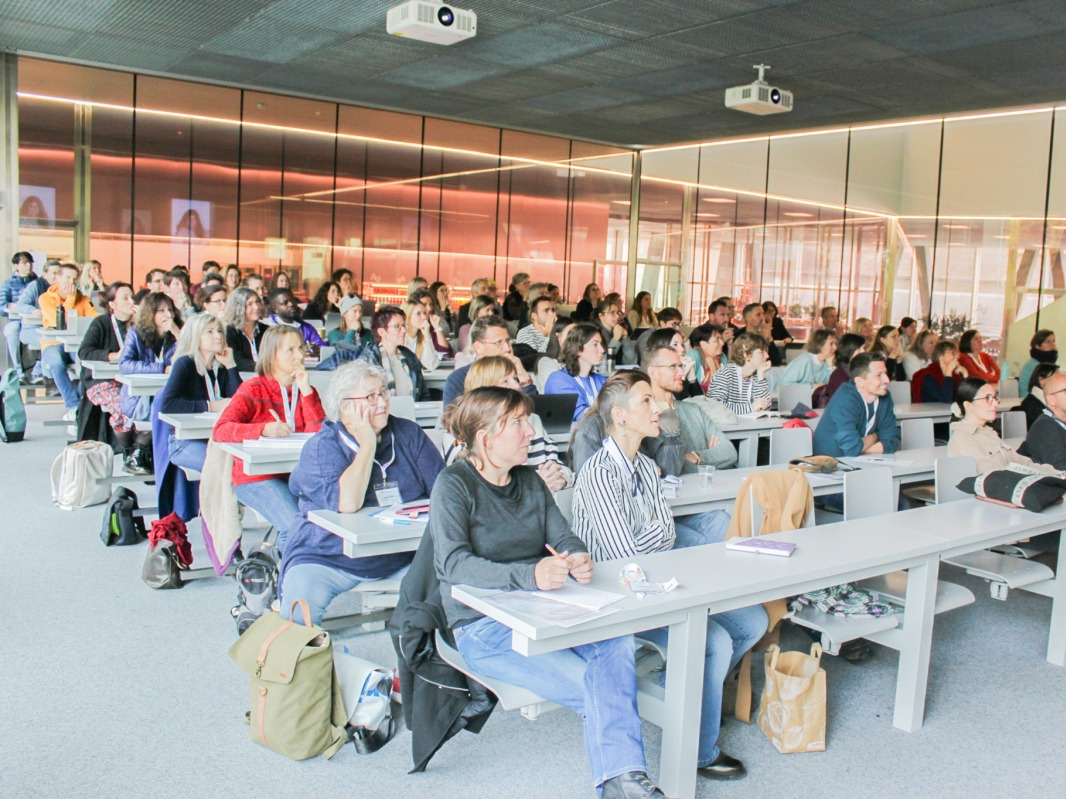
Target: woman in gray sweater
{"points": [[491, 518]]}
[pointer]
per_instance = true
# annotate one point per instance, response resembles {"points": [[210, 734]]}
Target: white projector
{"points": [[759, 97], [431, 22]]}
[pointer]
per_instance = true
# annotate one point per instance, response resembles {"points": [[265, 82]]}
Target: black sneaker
{"points": [[632, 785]]}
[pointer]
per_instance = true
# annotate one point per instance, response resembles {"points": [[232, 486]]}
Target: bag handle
{"points": [[816, 651], [303, 609], [775, 650]]}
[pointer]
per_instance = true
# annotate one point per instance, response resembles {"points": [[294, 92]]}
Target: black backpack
{"points": [[121, 527], [257, 585]]}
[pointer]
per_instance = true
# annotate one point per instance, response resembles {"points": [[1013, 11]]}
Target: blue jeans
{"points": [[55, 362], [11, 333], [318, 585], [729, 636], [272, 499], [186, 453], [701, 528], [597, 681]]}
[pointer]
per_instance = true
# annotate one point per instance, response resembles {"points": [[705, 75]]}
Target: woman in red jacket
{"points": [[975, 360], [276, 403]]}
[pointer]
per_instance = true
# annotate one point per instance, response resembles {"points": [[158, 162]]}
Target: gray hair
{"points": [[347, 379], [236, 305]]}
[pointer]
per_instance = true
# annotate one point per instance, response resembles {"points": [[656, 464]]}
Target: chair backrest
{"points": [[900, 391], [773, 377], [789, 443], [1009, 388], [788, 394], [564, 498], [948, 473], [916, 433], [332, 321], [402, 407], [436, 435], [757, 513], [1014, 425], [868, 492], [792, 353]]}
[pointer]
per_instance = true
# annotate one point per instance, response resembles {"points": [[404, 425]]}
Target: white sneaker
{"points": [[71, 415]]}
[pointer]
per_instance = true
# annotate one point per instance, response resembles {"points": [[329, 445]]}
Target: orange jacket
{"points": [[49, 304]]}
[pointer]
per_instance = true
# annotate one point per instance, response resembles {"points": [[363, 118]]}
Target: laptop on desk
{"points": [[556, 412]]}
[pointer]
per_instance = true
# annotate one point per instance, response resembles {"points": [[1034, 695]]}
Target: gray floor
{"points": [[111, 689]]}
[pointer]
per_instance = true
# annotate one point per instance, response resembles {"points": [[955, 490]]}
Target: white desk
{"points": [[266, 459], [102, 370], [747, 432], [190, 426], [437, 377], [364, 536], [826, 555], [143, 385]]}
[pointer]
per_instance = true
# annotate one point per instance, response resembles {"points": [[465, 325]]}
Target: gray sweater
{"points": [[490, 536]]}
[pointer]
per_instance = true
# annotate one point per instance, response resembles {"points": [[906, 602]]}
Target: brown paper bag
{"points": [[792, 710]]}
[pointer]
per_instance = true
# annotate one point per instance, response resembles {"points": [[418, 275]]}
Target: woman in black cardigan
{"points": [[103, 342], [244, 331]]}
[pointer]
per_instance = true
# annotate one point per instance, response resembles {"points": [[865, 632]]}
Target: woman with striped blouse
{"points": [[620, 511], [741, 383]]}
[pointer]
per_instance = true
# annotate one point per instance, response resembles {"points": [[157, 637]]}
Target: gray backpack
{"points": [[257, 585]]}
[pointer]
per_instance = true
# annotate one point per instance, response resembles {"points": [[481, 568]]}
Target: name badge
{"points": [[388, 493]]}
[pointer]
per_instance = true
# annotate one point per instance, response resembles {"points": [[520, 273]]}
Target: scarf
{"points": [[1044, 356]]}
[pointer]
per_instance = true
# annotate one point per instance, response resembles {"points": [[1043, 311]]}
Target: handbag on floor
{"points": [[367, 691], [297, 705], [161, 566], [81, 475], [12, 409], [121, 527], [792, 710]]}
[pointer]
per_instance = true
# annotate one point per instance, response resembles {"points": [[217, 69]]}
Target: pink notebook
{"points": [[761, 546]]}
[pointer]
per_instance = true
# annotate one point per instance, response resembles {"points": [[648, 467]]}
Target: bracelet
{"points": [[699, 459]]}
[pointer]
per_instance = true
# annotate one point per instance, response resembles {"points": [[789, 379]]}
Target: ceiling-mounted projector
{"points": [[431, 22], [759, 97]]}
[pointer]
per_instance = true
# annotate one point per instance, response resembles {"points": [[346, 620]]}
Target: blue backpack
{"points": [[12, 409]]}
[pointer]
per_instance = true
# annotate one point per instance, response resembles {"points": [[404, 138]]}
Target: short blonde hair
{"points": [[269, 346], [488, 372]]}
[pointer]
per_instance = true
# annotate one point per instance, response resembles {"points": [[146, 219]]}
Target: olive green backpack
{"points": [[297, 707]]}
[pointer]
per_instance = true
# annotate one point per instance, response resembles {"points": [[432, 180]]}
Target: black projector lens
{"points": [[775, 96], [445, 16]]}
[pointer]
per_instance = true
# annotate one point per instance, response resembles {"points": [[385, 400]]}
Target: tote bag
{"points": [[792, 710]]}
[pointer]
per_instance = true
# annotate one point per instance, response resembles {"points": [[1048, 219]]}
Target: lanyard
{"points": [[118, 333], [251, 341], [636, 488], [590, 392], [871, 418], [212, 385], [290, 407], [384, 467]]}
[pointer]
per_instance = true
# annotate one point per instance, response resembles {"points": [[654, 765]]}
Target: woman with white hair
{"points": [[203, 377], [361, 457]]}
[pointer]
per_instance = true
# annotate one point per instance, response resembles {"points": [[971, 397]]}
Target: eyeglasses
{"points": [[397, 326], [991, 399], [497, 343], [375, 397]]}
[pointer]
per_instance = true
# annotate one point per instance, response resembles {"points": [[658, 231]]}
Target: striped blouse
{"points": [[729, 387], [619, 507]]}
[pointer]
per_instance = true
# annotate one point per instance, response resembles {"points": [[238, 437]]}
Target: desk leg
{"points": [[684, 686], [917, 641], [1056, 641], [748, 451]]}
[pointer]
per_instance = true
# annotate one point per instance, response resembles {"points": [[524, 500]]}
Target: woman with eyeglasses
{"points": [[276, 403], [362, 457], [211, 298], [976, 403], [244, 331], [621, 511], [611, 320], [403, 370]]}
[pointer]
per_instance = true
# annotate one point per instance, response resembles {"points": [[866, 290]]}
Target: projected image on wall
{"points": [[37, 206], [191, 218]]}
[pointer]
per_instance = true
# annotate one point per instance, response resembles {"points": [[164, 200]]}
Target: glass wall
{"points": [[179, 173], [958, 222]]}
